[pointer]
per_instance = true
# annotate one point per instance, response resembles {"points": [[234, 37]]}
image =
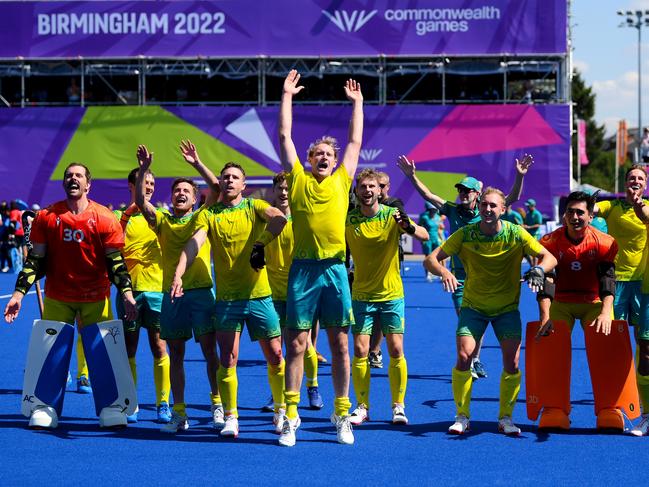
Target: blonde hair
{"points": [[326, 139], [490, 190], [367, 173]]}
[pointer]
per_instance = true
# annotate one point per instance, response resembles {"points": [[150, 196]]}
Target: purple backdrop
{"points": [[282, 28], [480, 140]]}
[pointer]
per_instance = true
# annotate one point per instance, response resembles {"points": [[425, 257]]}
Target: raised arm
{"points": [[287, 152], [408, 169], [185, 261], [144, 159], [640, 208], [522, 167], [353, 148], [190, 154]]}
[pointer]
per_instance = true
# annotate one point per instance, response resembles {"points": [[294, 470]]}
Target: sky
{"points": [[607, 57]]}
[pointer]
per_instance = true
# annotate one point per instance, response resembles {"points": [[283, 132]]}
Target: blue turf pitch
{"points": [[420, 453]]}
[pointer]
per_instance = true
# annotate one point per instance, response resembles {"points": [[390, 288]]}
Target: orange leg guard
{"points": [[612, 371], [547, 369]]}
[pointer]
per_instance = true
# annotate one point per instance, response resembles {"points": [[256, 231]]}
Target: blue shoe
{"points": [[269, 407], [479, 369], [315, 399], [83, 385], [132, 418], [164, 413]]}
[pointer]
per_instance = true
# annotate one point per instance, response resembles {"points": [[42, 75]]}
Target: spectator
{"points": [[644, 146]]}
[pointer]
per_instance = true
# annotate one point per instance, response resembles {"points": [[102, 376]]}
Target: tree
{"points": [[599, 172]]}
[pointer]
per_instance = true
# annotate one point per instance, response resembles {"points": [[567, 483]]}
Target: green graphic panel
{"points": [[107, 139], [441, 183]]}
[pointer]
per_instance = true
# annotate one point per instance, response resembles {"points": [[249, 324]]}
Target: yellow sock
{"points": [[462, 382], [342, 406], [215, 399], [133, 365], [643, 391], [161, 379], [311, 366], [361, 380], [276, 382], [228, 385], [510, 386], [292, 400], [179, 408], [82, 365], [398, 375]]}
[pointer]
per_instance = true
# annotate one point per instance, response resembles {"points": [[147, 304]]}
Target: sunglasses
{"points": [[462, 189]]}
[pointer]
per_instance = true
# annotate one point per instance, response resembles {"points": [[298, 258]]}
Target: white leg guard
{"points": [[110, 373], [48, 361]]}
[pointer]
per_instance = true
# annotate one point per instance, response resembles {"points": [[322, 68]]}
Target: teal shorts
{"points": [[389, 314], [458, 294], [191, 314], [259, 314], [474, 324], [627, 301], [318, 290], [280, 309], [643, 325], [149, 305]]}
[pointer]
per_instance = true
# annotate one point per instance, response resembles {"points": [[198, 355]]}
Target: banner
{"points": [[446, 142], [249, 28], [581, 142], [621, 143]]}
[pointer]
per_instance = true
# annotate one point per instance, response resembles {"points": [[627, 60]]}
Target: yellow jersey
{"points": [[279, 257]]}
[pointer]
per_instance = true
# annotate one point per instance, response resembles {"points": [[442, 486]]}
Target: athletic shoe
{"points": [[112, 417], [429, 277], [315, 399], [289, 427], [375, 360], [460, 426], [479, 369], [278, 420], [344, 430], [359, 415], [83, 385], [177, 423], [164, 413], [269, 407], [399, 414], [643, 426], [507, 426], [43, 417], [321, 358], [610, 419], [231, 428], [554, 418], [218, 415]]}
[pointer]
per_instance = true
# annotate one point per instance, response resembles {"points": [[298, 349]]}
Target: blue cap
{"points": [[470, 183], [530, 202], [429, 205]]}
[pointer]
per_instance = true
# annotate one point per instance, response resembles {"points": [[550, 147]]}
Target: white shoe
{"points": [[278, 420], [507, 426], [289, 427], [460, 426], [231, 428], [344, 430], [643, 426], [43, 417], [177, 423], [359, 415], [112, 417], [399, 414], [429, 277], [218, 416]]}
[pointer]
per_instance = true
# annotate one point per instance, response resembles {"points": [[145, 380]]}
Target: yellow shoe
{"points": [[554, 418], [611, 419]]}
